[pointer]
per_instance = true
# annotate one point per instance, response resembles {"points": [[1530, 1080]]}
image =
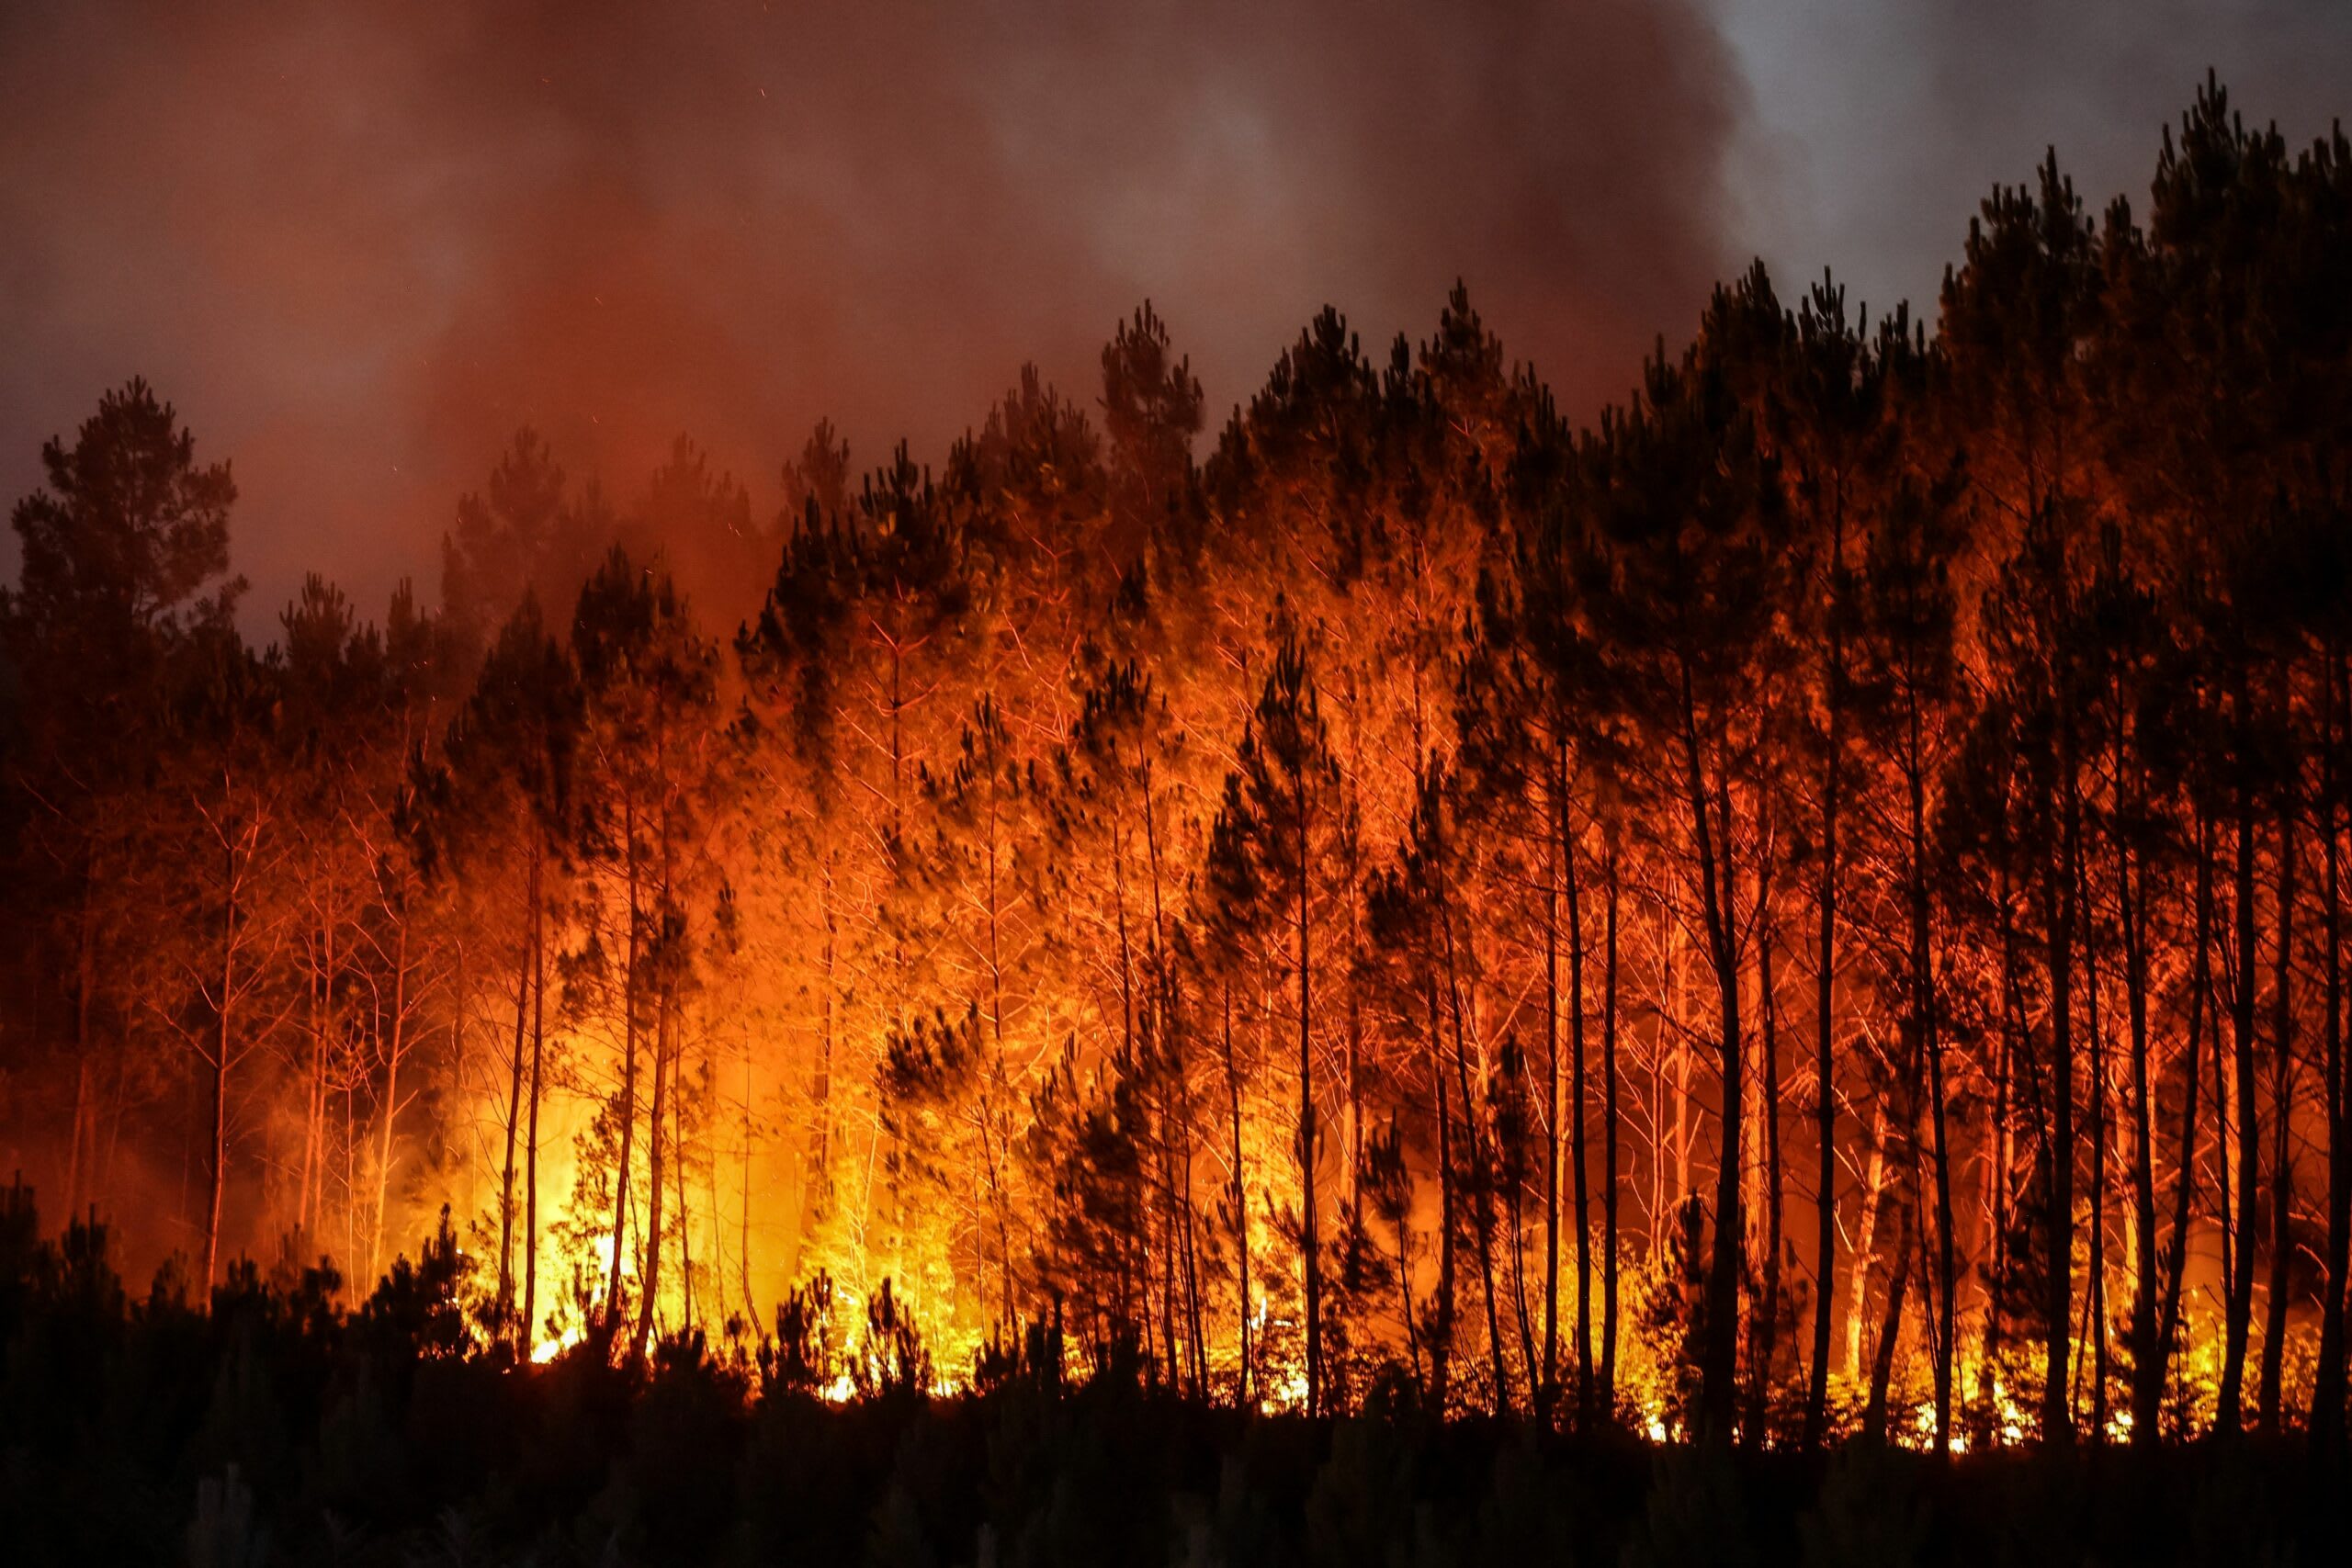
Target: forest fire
{"points": [[1806, 909]]}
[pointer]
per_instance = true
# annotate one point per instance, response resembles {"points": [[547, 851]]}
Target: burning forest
{"points": [[1803, 910]]}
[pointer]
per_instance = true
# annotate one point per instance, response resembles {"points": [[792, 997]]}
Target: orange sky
{"points": [[358, 242]]}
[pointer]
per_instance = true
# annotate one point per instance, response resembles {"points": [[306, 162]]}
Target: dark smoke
{"points": [[359, 243], [1878, 125]]}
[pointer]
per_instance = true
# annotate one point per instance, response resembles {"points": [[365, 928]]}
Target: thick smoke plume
{"points": [[361, 241]]}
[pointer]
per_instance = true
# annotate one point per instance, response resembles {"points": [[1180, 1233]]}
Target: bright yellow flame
{"points": [[549, 1350]]}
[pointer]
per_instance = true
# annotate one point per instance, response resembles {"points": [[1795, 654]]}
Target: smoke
{"points": [[359, 243], [1879, 125]]}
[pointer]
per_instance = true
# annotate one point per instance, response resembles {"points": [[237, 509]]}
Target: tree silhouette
{"points": [[1269, 868]]}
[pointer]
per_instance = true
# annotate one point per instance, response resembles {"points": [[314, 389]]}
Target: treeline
{"points": [[1809, 904]]}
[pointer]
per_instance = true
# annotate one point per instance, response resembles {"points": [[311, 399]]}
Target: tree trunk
{"points": [[1719, 1366], [1817, 1400], [685, 1215], [2095, 1308], [1310, 1239], [222, 1060], [459, 1010], [1578, 1159], [85, 983], [2283, 1168], [1441, 1310], [1240, 1197], [1555, 841], [514, 1134], [2148, 1354], [1767, 1320], [1891, 1329], [1930, 1037], [1608, 1392], [1858, 1283], [1481, 1172], [2057, 1418], [310, 1209], [817, 1161], [743, 1215], [2200, 981], [2009, 1090], [632, 952], [650, 1286], [393, 1056], [2326, 1419], [2238, 1313], [217, 1165], [539, 1093]]}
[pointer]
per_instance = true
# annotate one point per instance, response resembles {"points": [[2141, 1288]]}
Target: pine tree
{"points": [[1683, 580], [521, 536], [649, 755], [123, 556], [1905, 697], [224, 799], [1151, 412], [2014, 318], [504, 807], [1271, 879]]}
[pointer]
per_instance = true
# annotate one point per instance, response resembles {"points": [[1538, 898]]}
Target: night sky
{"points": [[358, 243]]}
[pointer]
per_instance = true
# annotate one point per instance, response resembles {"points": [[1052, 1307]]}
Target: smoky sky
{"points": [[1875, 127], [359, 243]]}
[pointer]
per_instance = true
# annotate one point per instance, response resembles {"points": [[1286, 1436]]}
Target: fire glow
{"points": [[1797, 908]]}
